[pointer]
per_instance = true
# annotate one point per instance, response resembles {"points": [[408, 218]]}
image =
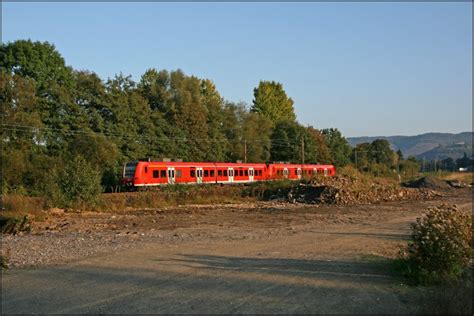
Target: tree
{"points": [[283, 137], [381, 153], [409, 167], [271, 101], [400, 155], [316, 150], [361, 156], [213, 102], [338, 146], [39, 61], [256, 132], [463, 162]]}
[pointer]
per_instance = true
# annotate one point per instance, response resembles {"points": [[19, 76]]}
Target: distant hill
{"points": [[428, 146]]}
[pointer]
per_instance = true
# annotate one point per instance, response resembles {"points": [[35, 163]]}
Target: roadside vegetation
{"points": [[439, 257]]}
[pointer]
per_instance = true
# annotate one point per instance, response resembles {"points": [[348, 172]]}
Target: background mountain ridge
{"points": [[430, 146]]}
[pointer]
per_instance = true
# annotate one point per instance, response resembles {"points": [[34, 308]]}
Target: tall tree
{"points": [[271, 101], [338, 146], [37, 60], [380, 152]]}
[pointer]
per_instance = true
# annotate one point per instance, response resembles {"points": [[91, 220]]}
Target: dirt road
{"points": [[246, 259]]}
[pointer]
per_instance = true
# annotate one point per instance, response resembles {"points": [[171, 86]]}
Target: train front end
{"points": [[128, 174]]}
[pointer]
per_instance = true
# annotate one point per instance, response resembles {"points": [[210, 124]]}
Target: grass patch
{"points": [[173, 196], [21, 204]]}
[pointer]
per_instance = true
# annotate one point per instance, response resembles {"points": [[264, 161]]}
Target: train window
{"points": [[163, 173], [146, 169], [212, 173], [246, 173], [225, 173], [156, 174], [241, 173], [219, 173], [193, 173], [178, 173], [206, 173]]}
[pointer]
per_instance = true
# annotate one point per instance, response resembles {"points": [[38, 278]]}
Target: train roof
{"points": [[229, 164], [202, 164]]}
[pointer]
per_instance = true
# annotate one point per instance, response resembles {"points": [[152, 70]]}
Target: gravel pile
{"points": [[347, 191], [428, 183]]}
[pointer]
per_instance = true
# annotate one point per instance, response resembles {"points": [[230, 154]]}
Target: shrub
{"points": [[440, 246], [76, 185]]}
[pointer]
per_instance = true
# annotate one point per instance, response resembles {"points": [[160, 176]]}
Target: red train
{"points": [[153, 173]]}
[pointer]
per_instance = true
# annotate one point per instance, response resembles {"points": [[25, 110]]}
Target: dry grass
{"points": [[21, 204], [466, 177], [171, 196]]}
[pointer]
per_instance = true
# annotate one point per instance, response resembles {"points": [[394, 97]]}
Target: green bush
{"points": [[77, 185], [440, 246]]}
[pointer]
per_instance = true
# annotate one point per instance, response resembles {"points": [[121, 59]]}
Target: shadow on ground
{"points": [[208, 284]]}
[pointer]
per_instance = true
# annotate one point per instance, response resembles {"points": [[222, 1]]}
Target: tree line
{"points": [[55, 117]]}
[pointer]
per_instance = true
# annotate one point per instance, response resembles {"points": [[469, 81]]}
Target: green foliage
{"points": [[409, 167], [381, 153], [271, 101], [441, 245], [76, 185], [376, 157], [39, 61], [53, 113], [338, 146]]}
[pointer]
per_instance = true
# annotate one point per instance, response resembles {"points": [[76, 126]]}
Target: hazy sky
{"points": [[365, 68]]}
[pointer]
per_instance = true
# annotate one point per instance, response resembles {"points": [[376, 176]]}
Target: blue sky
{"points": [[366, 68]]}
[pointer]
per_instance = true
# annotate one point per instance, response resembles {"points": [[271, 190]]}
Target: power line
{"points": [[26, 128]]}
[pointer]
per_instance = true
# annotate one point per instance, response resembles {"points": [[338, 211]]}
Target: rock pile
{"points": [[342, 190], [428, 183]]}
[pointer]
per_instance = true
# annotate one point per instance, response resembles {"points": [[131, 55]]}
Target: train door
{"points": [[285, 172], [199, 175], [171, 176], [298, 172], [230, 172], [325, 172], [251, 174]]}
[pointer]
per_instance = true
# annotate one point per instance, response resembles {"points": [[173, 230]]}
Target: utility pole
{"points": [[245, 150], [302, 150]]}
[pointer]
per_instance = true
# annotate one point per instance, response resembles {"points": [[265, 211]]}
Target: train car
{"points": [[295, 171], [156, 173]]}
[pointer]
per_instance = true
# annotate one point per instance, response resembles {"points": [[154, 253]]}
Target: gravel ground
{"points": [[66, 237]]}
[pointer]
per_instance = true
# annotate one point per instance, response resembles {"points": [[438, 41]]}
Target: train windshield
{"points": [[129, 171]]}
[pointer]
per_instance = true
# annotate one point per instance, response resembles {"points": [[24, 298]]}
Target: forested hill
{"points": [[428, 146]]}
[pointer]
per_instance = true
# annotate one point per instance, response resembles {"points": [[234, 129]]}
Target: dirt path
{"points": [[303, 260]]}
